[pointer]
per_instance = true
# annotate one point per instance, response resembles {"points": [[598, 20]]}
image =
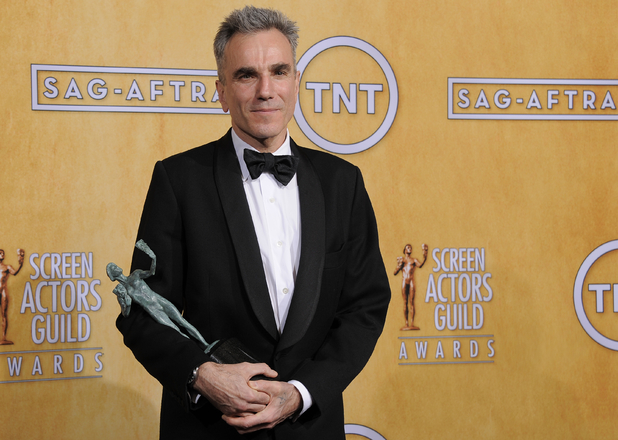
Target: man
{"points": [[288, 263], [5, 271], [408, 264]]}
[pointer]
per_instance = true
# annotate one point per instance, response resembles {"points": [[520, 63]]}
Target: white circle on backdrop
{"points": [[393, 95], [578, 295], [363, 431]]}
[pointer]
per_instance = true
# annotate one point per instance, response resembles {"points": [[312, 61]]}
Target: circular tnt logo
{"points": [[595, 295], [348, 95], [363, 431]]}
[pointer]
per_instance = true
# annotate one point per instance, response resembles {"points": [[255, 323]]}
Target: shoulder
{"points": [[202, 156], [329, 167], [189, 171], [318, 157], [197, 164]]}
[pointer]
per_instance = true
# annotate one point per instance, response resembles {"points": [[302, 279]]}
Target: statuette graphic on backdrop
{"points": [[407, 266], [5, 271]]}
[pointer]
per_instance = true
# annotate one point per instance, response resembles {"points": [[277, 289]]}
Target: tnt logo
{"points": [[348, 95], [595, 295]]}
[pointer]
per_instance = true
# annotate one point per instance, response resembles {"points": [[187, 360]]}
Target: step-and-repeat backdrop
{"points": [[486, 132]]}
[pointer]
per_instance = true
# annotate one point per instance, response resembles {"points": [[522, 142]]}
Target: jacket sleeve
{"points": [[166, 355]]}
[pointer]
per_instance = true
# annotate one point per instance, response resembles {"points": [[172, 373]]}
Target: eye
{"points": [[244, 74]]}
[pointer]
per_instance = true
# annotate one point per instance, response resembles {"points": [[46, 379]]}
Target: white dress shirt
{"points": [[275, 210]]}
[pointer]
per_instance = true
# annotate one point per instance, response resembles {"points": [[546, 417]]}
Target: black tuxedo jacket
{"points": [[197, 221]]}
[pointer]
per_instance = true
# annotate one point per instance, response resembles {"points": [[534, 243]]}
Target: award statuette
{"points": [[134, 289]]}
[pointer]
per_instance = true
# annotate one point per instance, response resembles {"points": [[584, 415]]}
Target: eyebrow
{"points": [[252, 71], [281, 66], [244, 71]]}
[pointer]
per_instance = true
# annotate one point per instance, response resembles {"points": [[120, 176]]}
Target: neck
{"points": [[267, 145]]}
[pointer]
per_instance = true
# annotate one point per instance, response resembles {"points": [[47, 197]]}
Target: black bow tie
{"points": [[282, 168]]}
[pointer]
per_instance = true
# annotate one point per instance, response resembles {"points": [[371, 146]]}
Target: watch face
{"points": [[193, 376]]}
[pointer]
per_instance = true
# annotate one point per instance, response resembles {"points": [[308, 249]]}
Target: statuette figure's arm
{"points": [[399, 265], [141, 245], [425, 249], [123, 299], [20, 260]]}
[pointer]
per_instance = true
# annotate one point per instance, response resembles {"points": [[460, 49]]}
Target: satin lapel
{"points": [[238, 216], [313, 239]]}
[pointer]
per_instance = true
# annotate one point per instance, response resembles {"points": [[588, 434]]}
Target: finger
{"points": [[265, 386], [251, 423], [252, 370], [259, 398], [254, 409], [254, 428]]}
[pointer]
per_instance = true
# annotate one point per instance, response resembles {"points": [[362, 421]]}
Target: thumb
{"points": [[261, 369]]}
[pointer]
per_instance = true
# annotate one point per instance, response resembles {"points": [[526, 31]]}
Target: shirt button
{"points": [[279, 243], [285, 290], [271, 200]]}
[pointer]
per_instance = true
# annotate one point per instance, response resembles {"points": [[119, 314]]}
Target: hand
{"points": [[141, 245], [425, 248], [20, 255], [226, 386], [285, 400], [399, 265]]}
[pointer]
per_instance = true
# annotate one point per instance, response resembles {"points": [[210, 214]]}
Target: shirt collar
{"points": [[240, 146]]}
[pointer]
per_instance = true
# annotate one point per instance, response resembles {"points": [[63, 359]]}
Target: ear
{"points": [[297, 82], [221, 92]]}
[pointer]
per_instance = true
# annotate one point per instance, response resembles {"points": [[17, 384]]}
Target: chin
{"points": [[266, 132]]}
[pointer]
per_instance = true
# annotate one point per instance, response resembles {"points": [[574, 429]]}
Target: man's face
{"points": [[261, 86]]}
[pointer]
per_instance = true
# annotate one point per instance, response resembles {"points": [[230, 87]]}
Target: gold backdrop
{"points": [[510, 206]]}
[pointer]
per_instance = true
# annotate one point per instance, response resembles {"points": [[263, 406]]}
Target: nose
{"points": [[265, 88]]}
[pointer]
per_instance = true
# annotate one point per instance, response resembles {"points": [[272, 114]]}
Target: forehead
{"points": [[269, 47]]}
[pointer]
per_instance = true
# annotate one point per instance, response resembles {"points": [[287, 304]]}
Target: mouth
{"points": [[265, 110]]}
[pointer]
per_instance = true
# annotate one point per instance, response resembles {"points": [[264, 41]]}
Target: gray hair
{"points": [[250, 20]]}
